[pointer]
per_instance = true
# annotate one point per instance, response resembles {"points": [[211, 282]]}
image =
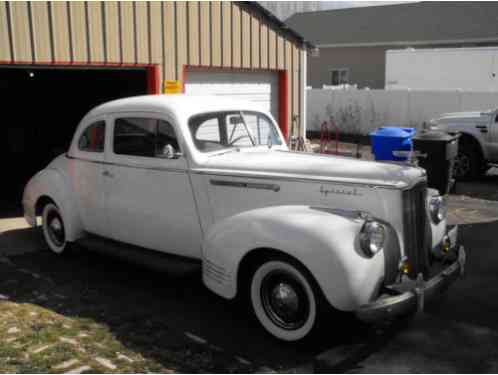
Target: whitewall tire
{"points": [[283, 300], [54, 231]]}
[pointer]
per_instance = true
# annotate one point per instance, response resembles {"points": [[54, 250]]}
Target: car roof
{"points": [[180, 105]]}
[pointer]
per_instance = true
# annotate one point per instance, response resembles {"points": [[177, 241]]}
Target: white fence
{"points": [[361, 111]]}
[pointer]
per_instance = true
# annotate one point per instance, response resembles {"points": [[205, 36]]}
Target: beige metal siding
{"points": [[205, 34], [112, 31], [127, 31], [288, 62], [20, 30], [60, 24], [41, 32], [156, 34], [181, 35], [246, 39], [236, 37], [272, 49], [95, 31], [193, 32], [227, 33], [169, 67], [216, 32], [4, 34], [280, 52], [255, 45], [142, 32], [78, 32], [264, 45]]}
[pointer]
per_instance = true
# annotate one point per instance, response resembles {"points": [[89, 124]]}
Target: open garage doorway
{"points": [[42, 106]]}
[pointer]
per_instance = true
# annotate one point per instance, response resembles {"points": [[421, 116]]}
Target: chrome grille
{"points": [[416, 233]]}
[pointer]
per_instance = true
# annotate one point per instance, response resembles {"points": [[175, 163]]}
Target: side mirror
{"points": [[170, 153]]}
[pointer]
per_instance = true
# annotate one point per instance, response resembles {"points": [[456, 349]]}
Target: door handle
{"points": [[107, 174], [482, 128]]}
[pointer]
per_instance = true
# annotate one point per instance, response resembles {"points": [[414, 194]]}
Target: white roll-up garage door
{"points": [[258, 87]]}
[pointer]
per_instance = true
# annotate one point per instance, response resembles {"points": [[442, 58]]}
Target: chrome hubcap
{"points": [[284, 300], [55, 228]]}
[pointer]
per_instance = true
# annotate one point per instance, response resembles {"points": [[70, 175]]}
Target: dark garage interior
{"points": [[41, 108]]}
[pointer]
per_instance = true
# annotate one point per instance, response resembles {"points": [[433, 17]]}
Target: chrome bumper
{"points": [[414, 299]]}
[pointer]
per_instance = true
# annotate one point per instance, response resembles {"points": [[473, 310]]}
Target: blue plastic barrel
{"points": [[387, 139]]}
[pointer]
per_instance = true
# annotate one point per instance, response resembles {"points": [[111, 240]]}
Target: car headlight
{"points": [[438, 207], [372, 237]]}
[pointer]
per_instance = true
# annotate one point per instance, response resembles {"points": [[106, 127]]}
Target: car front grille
{"points": [[416, 231]]}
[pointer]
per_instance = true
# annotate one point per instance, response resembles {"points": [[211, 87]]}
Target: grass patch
{"points": [[45, 324]]}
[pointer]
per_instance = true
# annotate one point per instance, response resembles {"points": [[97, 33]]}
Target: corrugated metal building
{"points": [[62, 58]]}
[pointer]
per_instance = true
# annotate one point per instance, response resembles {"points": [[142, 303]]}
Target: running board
{"points": [[156, 260]]}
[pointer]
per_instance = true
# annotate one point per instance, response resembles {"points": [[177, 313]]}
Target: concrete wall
{"points": [[361, 111], [366, 66], [169, 34]]}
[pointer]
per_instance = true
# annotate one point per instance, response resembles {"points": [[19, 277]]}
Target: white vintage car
{"points": [[211, 181]]}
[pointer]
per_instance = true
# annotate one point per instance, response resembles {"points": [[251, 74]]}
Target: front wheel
{"points": [[468, 163], [54, 231], [284, 300]]}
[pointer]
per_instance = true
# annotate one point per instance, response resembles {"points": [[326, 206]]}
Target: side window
{"points": [[135, 136], [261, 128], [93, 138], [143, 137], [207, 133], [165, 136], [209, 130]]}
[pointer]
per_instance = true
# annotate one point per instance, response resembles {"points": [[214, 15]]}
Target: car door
{"points": [[150, 202], [86, 175]]}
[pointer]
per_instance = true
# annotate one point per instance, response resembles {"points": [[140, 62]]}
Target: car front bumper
{"points": [[418, 291]]}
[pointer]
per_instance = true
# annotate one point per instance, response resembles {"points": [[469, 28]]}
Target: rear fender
{"points": [[53, 184], [325, 241]]}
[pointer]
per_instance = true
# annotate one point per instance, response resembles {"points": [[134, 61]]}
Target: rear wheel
{"points": [[54, 231], [285, 299]]}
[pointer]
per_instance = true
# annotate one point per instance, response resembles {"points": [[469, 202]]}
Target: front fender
{"points": [[325, 242], [54, 185]]}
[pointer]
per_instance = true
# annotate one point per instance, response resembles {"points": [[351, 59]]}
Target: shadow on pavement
{"points": [[486, 187], [150, 311], [474, 299]]}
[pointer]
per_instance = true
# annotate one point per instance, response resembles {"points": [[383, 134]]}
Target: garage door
{"points": [[257, 87]]}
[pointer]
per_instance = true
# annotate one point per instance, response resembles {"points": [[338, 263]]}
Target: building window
{"points": [[339, 77]]}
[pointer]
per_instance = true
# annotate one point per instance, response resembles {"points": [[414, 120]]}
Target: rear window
{"points": [[93, 138]]}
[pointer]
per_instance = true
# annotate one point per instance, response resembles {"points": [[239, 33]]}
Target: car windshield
{"points": [[232, 129]]}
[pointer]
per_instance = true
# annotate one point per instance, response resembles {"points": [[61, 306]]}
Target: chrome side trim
{"points": [[246, 185], [165, 169], [294, 178]]}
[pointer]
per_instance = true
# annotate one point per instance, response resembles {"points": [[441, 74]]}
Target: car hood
{"points": [[299, 165], [462, 115]]}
